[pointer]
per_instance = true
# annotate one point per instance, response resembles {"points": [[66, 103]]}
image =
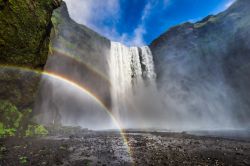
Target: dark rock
{"points": [[24, 42]]}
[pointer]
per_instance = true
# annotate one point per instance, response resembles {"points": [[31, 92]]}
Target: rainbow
{"points": [[66, 54], [81, 89]]}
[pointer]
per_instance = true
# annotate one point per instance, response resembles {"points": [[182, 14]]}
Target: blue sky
{"points": [[139, 22]]}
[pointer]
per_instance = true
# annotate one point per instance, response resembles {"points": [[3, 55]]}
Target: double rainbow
{"points": [[83, 90]]}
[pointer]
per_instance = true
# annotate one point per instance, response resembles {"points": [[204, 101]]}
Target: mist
{"points": [[196, 97], [67, 105], [179, 82]]}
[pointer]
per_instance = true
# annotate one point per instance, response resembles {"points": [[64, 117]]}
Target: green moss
{"points": [[40, 130], [13, 122], [23, 160], [29, 131], [10, 132], [25, 30], [56, 20], [10, 119], [67, 44], [36, 130], [2, 131]]}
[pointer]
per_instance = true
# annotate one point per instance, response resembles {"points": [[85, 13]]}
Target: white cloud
{"points": [[87, 11], [140, 31], [138, 39], [79, 10], [90, 12], [146, 11]]}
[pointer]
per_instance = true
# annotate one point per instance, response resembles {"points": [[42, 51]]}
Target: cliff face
{"points": [[205, 66], [24, 31], [80, 55], [24, 42], [79, 41]]}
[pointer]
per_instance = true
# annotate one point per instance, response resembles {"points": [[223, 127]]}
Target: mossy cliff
{"points": [[24, 31], [25, 27]]}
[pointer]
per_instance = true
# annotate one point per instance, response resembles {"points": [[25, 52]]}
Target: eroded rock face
{"points": [[24, 42], [80, 55], [206, 64]]}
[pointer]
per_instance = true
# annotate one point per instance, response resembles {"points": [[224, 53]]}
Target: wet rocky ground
{"points": [[109, 148]]}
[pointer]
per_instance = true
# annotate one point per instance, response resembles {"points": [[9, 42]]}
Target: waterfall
{"points": [[131, 71], [147, 62]]}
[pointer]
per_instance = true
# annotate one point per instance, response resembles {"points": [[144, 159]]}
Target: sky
{"points": [[139, 22]]}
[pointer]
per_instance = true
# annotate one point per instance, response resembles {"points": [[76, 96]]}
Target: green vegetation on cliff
{"points": [[25, 27], [36, 130], [24, 31], [17, 123], [10, 119]]}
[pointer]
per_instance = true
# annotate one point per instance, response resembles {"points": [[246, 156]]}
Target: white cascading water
{"points": [[131, 69], [147, 61]]}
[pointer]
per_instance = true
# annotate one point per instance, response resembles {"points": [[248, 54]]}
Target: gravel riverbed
{"points": [[109, 148]]}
